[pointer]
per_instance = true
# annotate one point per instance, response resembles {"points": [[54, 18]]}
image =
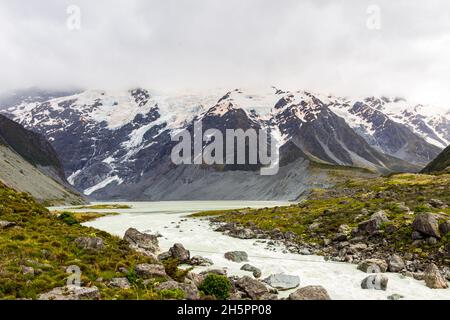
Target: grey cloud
{"points": [[180, 44]]}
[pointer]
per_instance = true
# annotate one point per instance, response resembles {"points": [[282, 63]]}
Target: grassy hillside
{"points": [[441, 163], [43, 241]]}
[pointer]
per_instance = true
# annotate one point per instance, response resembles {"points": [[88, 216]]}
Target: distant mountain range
{"points": [[116, 145], [28, 163]]}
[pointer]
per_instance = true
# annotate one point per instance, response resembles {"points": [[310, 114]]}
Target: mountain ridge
{"points": [[115, 141]]}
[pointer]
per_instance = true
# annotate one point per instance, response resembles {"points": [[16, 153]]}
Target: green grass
{"points": [[81, 217], [43, 241]]}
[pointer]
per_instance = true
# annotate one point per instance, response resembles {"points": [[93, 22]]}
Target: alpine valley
{"points": [[117, 145]]}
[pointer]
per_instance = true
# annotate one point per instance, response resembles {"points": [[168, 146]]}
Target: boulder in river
{"points": [[71, 293], [310, 293], [200, 261], [375, 281], [282, 281], [142, 242], [256, 272], [220, 272], [433, 278], [236, 256], [427, 224], [253, 288]]}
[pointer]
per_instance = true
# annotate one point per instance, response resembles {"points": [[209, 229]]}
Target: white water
{"points": [[341, 280]]}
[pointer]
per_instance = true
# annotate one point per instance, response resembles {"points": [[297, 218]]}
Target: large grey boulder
{"points": [[256, 272], [90, 243], [282, 281], [236, 256], [142, 242], [147, 271], [253, 288], [310, 293], [71, 293], [427, 224], [433, 278], [373, 266], [375, 281], [179, 252]]}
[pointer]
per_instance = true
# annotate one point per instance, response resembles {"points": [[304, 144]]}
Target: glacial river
{"points": [[342, 280]]}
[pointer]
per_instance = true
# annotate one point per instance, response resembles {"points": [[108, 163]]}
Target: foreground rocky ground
{"points": [[399, 224]]}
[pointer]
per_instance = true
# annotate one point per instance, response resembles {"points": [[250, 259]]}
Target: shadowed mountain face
{"points": [[32, 146], [30, 164], [441, 163], [117, 145]]}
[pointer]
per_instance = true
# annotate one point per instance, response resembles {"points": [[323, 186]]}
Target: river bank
{"points": [[171, 221]]}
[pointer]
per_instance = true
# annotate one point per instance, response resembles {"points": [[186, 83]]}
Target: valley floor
{"points": [[320, 240]]}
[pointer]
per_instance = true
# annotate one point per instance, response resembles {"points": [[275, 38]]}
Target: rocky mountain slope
{"points": [[29, 164], [116, 145], [441, 163]]}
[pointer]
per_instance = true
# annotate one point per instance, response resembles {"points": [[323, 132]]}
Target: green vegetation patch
{"points": [[45, 242]]}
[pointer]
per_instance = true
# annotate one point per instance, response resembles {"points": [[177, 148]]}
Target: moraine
{"points": [[341, 280]]}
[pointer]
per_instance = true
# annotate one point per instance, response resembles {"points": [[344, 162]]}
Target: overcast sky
{"points": [[318, 45]]}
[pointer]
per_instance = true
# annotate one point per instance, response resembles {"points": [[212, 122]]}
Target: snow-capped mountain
{"points": [[117, 144]]}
